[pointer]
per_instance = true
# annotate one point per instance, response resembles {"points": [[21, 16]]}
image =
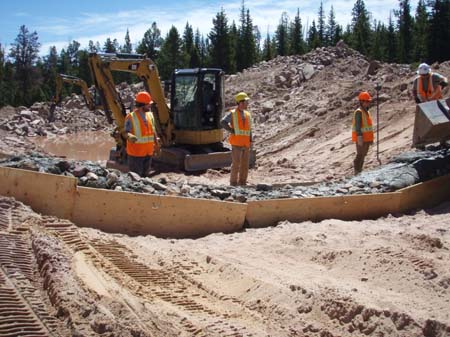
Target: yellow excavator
{"points": [[63, 78], [190, 130]]}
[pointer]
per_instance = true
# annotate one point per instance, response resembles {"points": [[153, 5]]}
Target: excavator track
{"points": [[24, 311], [171, 287]]}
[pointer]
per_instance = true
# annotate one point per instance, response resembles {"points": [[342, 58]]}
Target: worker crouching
{"points": [[239, 123], [362, 130], [427, 86], [141, 135]]}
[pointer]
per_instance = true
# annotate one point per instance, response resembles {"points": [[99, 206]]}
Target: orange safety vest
{"points": [[366, 126], [432, 93], [242, 129], [145, 134]]}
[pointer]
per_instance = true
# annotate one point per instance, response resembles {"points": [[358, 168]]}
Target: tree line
{"points": [[25, 77]]}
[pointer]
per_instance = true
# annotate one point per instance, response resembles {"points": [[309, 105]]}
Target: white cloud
{"points": [[265, 13]]}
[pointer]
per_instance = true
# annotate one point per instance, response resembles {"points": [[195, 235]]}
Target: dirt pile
{"points": [[303, 106]]}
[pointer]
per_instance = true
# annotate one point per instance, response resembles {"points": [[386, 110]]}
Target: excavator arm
{"points": [[112, 103], [146, 70], [63, 78]]}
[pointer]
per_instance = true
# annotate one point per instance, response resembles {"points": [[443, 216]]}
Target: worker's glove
{"points": [[359, 141], [132, 138]]}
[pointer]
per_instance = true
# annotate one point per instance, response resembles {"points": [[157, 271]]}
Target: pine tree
{"points": [[151, 42], [313, 37], [170, 56], [321, 25], [330, 32], [391, 41], [72, 55], [24, 51], [110, 46], [199, 43], [360, 36], [281, 35], [297, 46], [420, 36], [439, 36], [267, 53], [379, 45], [92, 47], [246, 54], [220, 49], [404, 32], [234, 40], [127, 47], [50, 69], [191, 53]]}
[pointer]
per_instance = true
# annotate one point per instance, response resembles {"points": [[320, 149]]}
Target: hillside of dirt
{"points": [[379, 278]]}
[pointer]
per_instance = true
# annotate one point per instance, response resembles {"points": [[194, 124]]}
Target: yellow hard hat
{"points": [[242, 96]]}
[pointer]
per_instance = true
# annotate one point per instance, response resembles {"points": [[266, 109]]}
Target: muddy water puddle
{"points": [[86, 145]]}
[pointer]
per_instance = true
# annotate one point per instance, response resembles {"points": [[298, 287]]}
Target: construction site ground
{"points": [[381, 277]]}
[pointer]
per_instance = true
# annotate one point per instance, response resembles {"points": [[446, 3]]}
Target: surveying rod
{"points": [[378, 88]]}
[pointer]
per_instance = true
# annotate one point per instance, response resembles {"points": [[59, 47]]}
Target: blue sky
{"points": [[59, 22]]}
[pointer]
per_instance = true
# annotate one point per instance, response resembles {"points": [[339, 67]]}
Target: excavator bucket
{"points": [[432, 123]]}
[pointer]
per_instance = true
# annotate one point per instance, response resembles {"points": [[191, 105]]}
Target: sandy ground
{"points": [[385, 277]]}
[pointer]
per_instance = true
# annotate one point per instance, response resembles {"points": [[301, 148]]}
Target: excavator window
{"points": [[185, 107]]}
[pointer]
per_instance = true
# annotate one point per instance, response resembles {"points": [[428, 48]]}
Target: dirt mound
{"points": [[303, 105]]}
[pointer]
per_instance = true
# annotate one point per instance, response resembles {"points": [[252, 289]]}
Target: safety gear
{"points": [[132, 138], [242, 128], [366, 126], [432, 93], [423, 69], [143, 97], [364, 96], [144, 133], [242, 96]]}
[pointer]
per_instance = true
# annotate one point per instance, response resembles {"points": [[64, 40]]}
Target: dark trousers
{"points": [[240, 157], [139, 165], [361, 152]]}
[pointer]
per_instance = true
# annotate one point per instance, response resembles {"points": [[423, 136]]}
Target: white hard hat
{"points": [[423, 69]]}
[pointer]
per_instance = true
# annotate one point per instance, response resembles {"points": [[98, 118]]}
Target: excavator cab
{"points": [[196, 98]]}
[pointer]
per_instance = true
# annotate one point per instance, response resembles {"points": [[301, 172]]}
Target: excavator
{"points": [[63, 78], [190, 132]]}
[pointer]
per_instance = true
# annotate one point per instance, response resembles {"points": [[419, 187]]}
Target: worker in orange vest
{"points": [[239, 123], [428, 85], [141, 135], [362, 130]]}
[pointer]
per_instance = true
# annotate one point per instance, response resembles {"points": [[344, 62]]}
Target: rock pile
{"points": [[71, 116], [404, 171]]}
